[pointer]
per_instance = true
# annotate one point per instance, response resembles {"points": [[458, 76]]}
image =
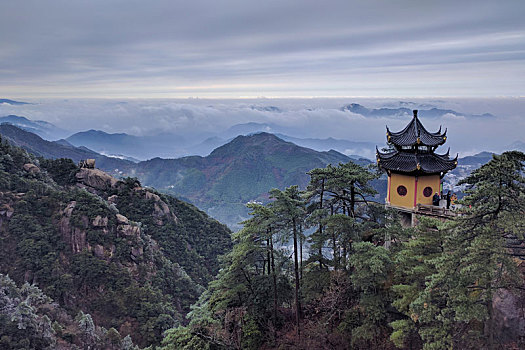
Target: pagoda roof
{"points": [[416, 163], [415, 134]]}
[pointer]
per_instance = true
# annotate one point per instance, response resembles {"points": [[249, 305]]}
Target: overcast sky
{"points": [[261, 48]]}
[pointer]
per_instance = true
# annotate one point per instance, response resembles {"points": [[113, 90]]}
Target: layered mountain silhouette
{"points": [[403, 111], [60, 149], [12, 102], [43, 129], [242, 170]]}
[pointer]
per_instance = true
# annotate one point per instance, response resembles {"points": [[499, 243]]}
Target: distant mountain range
{"points": [[12, 102], [517, 145], [355, 150], [43, 129], [139, 147], [60, 149], [238, 170], [242, 170], [403, 112], [171, 146]]}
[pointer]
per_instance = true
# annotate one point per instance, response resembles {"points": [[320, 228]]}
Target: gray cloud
{"points": [[275, 48]]}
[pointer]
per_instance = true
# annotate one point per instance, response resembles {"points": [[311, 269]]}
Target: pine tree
{"points": [[488, 237], [289, 210], [462, 264]]}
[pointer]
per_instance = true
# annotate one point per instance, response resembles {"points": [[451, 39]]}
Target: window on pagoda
{"points": [[402, 191]]}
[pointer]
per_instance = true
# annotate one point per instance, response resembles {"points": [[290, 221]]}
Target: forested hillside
{"points": [[367, 282], [105, 262], [240, 171]]}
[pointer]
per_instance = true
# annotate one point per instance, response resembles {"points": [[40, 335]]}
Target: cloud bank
{"points": [[197, 119]]}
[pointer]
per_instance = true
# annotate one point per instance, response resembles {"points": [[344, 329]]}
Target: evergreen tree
{"points": [[22, 324], [289, 211], [486, 239], [371, 271], [451, 271]]}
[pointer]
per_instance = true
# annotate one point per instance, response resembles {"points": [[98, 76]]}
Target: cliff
{"points": [[129, 257]]}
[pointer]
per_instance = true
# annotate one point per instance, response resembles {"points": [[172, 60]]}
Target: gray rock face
{"points": [[509, 316], [136, 252], [100, 221], [75, 236], [128, 230], [122, 220], [161, 210], [98, 250], [31, 168], [7, 200]]}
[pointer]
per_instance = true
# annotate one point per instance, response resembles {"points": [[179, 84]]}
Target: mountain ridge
{"points": [[132, 258], [42, 128], [433, 112], [13, 102], [58, 149], [242, 170]]}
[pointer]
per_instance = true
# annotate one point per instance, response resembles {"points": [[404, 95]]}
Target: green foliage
{"points": [[447, 274], [251, 334], [142, 281], [371, 270], [429, 287], [22, 323], [181, 338], [194, 241], [62, 170]]}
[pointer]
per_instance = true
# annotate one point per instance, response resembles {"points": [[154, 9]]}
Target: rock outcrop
{"points": [[122, 220], [7, 201], [95, 180], [509, 313], [31, 168], [161, 210], [74, 236], [100, 221]]}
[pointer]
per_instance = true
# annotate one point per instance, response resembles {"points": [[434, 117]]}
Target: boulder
{"points": [[151, 195], [31, 168], [161, 210], [122, 220], [95, 179]]}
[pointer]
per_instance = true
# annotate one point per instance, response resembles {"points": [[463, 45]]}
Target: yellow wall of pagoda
{"points": [[415, 187], [397, 200], [432, 181]]}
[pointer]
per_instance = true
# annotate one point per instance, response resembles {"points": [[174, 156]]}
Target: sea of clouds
{"points": [[198, 119]]}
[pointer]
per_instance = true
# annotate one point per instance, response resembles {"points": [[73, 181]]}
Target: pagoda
{"points": [[414, 170]]}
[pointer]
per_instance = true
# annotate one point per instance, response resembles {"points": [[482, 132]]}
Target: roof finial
{"points": [[415, 113]]}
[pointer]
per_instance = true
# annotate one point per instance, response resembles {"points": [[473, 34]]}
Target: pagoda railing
{"points": [[426, 209], [434, 210]]}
